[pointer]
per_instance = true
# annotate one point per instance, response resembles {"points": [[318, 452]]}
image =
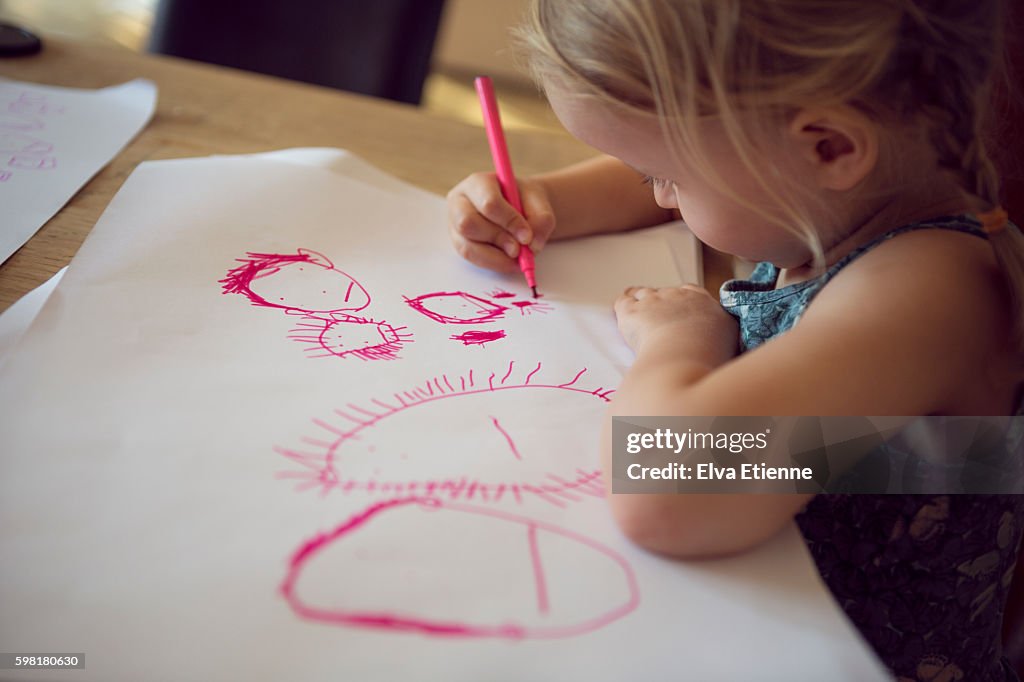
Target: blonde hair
{"points": [[926, 65]]}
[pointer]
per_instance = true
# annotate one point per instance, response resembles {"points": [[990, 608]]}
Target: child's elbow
{"points": [[677, 526]]}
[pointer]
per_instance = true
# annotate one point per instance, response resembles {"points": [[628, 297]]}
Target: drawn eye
{"points": [[446, 307]]}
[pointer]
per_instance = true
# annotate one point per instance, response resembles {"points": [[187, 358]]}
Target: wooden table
{"points": [[204, 109]]}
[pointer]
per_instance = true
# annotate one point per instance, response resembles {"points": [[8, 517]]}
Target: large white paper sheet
{"points": [[52, 140], [273, 428]]}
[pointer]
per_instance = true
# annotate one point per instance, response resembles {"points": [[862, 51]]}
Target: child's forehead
{"points": [[626, 134]]}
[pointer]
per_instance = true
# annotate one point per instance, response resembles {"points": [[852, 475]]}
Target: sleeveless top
{"points": [[924, 578]]}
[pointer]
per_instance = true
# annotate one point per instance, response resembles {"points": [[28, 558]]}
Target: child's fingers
{"points": [[466, 224], [625, 301], [486, 197], [486, 256], [540, 217], [636, 293]]}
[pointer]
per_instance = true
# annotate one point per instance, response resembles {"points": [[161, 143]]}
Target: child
{"points": [[840, 145]]}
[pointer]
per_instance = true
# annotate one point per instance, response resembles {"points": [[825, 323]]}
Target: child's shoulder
{"points": [[938, 295], [925, 270]]}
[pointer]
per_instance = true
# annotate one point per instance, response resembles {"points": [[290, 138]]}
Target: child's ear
{"points": [[839, 143]]}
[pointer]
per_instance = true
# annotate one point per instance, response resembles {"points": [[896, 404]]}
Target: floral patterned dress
{"points": [[923, 577]]}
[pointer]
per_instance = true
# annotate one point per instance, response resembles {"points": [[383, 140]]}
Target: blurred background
{"points": [[425, 51], [422, 52]]}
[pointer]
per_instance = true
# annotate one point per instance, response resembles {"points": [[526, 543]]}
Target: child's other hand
{"points": [[685, 320], [487, 231]]}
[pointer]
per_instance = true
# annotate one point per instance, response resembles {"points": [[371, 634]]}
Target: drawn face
{"points": [[457, 307], [484, 435], [311, 288], [303, 282], [363, 339]]}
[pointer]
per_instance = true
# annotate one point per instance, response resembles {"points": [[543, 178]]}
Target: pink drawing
{"points": [[530, 307], [31, 103], [364, 339], [372, 572], [500, 293], [11, 121], [307, 283], [5, 176], [456, 307], [489, 425], [19, 143], [475, 337], [508, 438], [22, 162], [304, 282]]}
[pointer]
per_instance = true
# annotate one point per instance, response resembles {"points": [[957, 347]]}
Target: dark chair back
{"points": [[380, 48]]}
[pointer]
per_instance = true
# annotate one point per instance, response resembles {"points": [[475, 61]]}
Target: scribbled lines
{"points": [[306, 283]]}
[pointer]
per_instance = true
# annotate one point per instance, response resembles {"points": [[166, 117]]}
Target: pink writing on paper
{"points": [[403, 544], [21, 114]]}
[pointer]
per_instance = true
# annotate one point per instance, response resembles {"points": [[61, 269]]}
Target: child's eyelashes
{"points": [[656, 183]]}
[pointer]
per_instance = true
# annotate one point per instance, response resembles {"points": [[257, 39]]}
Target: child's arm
{"points": [[595, 196], [601, 195], [901, 331]]}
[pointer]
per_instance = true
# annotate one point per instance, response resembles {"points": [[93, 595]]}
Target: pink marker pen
{"points": [[503, 167]]}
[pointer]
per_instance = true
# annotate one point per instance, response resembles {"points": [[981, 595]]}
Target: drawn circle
{"points": [[350, 337], [434, 581], [488, 438], [302, 282]]}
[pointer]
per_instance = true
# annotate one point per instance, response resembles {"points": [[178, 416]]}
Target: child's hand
{"points": [[683, 320], [487, 231]]}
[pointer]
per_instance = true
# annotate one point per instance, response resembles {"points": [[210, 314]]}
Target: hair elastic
{"points": [[994, 220]]}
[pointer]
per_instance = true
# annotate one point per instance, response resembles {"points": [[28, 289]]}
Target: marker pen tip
{"points": [[534, 290]]}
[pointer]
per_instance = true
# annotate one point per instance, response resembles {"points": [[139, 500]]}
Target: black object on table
{"points": [[16, 41], [380, 48]]}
